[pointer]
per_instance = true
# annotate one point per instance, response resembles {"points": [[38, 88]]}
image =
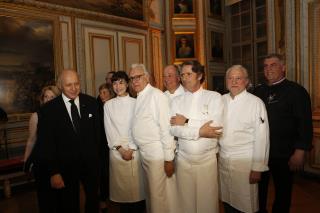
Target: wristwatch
{"points": [[187, 120]]}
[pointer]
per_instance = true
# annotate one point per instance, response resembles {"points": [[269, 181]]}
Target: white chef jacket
{"points": [[126, 181], [151, 132], [118, 114], [244, 147], [177, 92], [196, 159], [199, 107], [151, 122]]}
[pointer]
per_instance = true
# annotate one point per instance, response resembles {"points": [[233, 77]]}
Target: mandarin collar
{"points": [[196, 93], [239, 96], [145, 90]]}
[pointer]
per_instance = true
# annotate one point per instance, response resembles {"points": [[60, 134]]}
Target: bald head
{"points": [[171, 78], [69, 83]]}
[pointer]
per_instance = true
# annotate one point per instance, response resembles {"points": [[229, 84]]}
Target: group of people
{"points": [[157, 152]]}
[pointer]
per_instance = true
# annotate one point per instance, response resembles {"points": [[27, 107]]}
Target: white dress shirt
{"points": [[68, 104], [151, 122]]}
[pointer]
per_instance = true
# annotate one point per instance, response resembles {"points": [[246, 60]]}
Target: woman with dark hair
{"points": [[126, 184]]}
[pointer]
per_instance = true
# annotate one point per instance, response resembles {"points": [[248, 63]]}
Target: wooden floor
{"points": [[306, 198]]}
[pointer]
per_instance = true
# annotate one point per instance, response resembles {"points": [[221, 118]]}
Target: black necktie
{"points": [[75, 116]]}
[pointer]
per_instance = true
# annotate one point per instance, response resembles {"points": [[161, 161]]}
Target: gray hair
{"points": [[140, 67], [238, 67]]}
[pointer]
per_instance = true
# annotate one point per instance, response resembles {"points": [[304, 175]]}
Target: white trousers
{"points": [[197, 182]]}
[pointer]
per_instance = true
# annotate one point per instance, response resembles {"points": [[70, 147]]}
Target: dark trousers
{"points": [[283, 180], [69, 200], [104, 177], [137, 207], [47, 196]]}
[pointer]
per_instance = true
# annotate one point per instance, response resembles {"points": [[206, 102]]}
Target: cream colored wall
{"points": [[104, 47]]}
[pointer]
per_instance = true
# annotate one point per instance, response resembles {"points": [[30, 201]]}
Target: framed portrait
{"points": [[184, 44], [216, 46], [183, 8], [216, 10], [27, 56]]}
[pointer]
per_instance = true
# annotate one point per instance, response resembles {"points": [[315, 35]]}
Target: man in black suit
{"points": [[69, 134]]}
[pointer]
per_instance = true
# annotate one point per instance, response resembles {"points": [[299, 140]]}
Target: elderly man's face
{"points": [[170, 78], [236, 81], [138, 79], [70, 84], [274, 70]]}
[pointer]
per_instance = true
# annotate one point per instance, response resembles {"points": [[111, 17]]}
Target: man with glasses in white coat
{"points": [[151, 132]]}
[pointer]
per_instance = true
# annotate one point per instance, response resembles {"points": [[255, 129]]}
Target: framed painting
{"points": [[183, 8], [216, 46], [184, 44], [26, 62], [216, 9], [132, 9]]}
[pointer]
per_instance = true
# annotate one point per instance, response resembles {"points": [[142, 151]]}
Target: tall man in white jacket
{"points": [[151, 132], [244, 146], [197, 108]]}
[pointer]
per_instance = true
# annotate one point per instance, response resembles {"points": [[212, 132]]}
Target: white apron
{"points": [[197, 182], [126, 182], [155, 178], [235, 188]]}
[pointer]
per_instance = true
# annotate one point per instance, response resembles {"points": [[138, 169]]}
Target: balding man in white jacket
{"points": [[244, 146]]}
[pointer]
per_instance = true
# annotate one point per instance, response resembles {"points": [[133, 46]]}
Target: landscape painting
{"points": [[132, 9], [26, 62]]}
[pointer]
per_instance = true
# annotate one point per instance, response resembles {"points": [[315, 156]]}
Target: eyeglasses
{"points": [[136, 78], [187, 74]]}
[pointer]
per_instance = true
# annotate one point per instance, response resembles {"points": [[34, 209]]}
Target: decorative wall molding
{"points": [[290, 40]]}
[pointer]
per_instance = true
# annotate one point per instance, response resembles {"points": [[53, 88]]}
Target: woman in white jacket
{"points": [[126, 184]]}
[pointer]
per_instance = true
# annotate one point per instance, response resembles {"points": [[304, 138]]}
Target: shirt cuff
{"points": [[259, 167], [168, 155]]}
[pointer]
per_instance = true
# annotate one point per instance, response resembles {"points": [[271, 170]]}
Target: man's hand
{"points": [[207, 131], [296, 160], [126, 154], [57, 181], [254, 177], [169, 168], [178, 120]]}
